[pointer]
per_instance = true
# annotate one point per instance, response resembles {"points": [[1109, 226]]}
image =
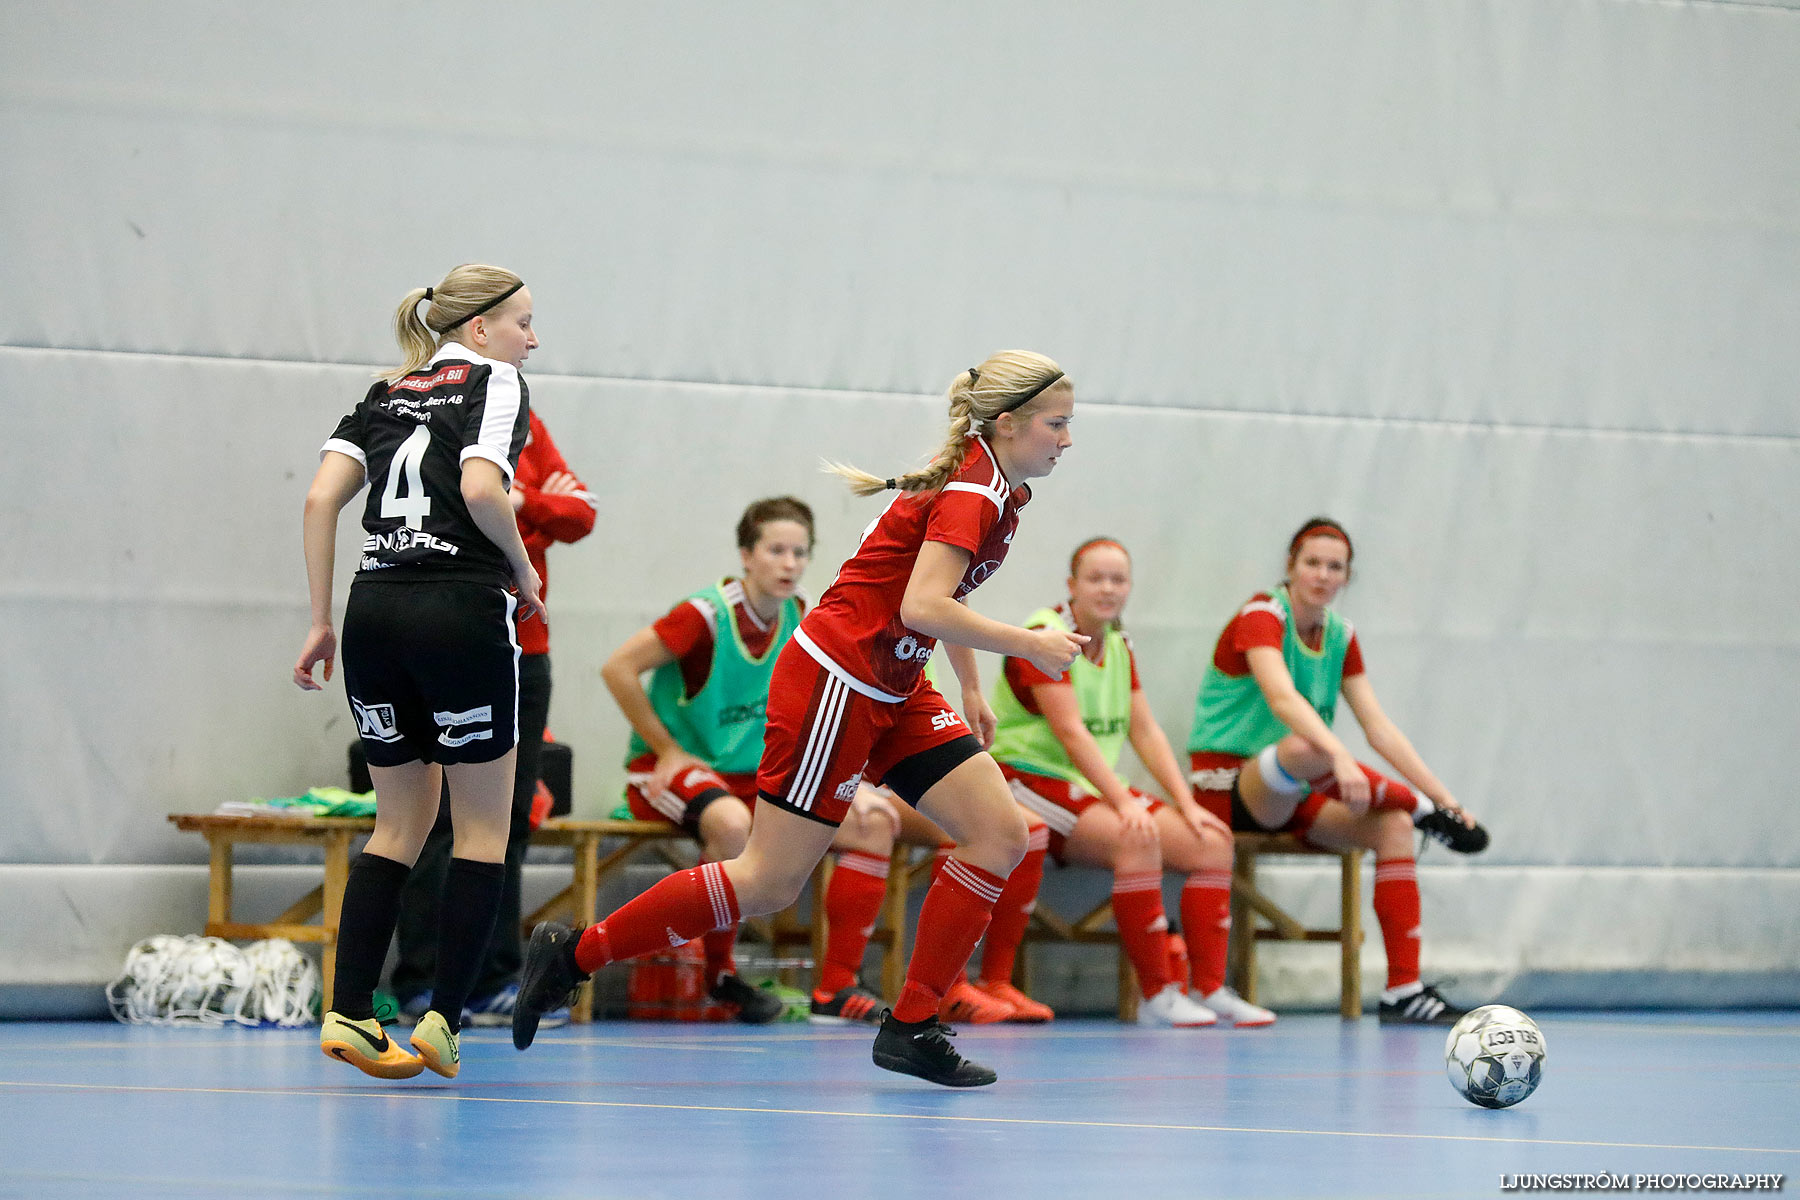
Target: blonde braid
{"points": [[975, 397]]}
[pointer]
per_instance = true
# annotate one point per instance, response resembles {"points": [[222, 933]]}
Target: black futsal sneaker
{"points": [[1448, 828], [756, 1006], [1423, 1007], [923, 1048], [549, 979]]}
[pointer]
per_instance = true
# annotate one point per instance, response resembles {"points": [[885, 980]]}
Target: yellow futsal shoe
{"points": [[365, 1046], [437, 1045]]}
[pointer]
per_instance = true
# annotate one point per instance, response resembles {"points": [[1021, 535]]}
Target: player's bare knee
{"points": [[1136, 855], [724, 829], [763, 888], [1299, 758], [1392, 833], [867, 831], [996, 838]]}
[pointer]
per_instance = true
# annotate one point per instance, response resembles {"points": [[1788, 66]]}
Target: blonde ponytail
{"points": [[1007, 381], [416, 341], [465, 292]]}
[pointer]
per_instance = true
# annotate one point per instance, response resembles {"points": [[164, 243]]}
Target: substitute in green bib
{"points": [[1263, 755], [697, 736], [1059, 742]]}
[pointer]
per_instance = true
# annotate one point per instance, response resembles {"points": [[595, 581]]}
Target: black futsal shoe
{"points": [[549, 979], [923, 1048], [756, 1006], [1448, 828], [1423, 1007]]}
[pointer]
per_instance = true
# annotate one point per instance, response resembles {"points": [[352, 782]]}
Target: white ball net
{"points": [[192, 980]]}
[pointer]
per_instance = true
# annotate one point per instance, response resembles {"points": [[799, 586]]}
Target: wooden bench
{"points": [[1254, 918], [577, 902], [1095, 927]]}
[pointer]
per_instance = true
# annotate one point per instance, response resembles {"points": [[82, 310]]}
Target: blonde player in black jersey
{"points": [[430, 652]]}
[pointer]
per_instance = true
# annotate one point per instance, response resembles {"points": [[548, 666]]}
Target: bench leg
{"points": [[587, 900], [1241, 957], [893, 909], [218, 882], [1350, 937]]}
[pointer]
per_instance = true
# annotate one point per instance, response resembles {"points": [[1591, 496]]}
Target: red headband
{"points": [[1315, 530], [1075, 558]]}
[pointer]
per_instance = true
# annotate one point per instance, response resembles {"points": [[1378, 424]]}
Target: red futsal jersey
{"points": [[1260, 623], [856, 632]]}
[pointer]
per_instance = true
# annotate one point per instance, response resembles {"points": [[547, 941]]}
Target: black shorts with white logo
{"points": [[432, 671]]}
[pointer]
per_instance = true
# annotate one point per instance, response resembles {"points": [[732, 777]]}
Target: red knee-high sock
{"points": [[852, 904], [939, 857], [956, 911], [1397, 909], [677, 910], [1012, 912], [1383, 792], [719, 945], [1206, 923], [1143, 927]]}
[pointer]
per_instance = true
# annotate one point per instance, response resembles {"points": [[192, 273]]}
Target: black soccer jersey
{"points": [[411, 437]]}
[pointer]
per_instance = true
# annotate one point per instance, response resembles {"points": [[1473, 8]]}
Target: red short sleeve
{"points": [[687, 633], [1021, 677], [961, 519], [1353, 663], [1256, 628]]}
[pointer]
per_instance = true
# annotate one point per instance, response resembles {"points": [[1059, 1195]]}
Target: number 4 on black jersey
{"points": [[412, 437]]}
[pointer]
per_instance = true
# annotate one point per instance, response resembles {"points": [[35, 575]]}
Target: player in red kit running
{"points": [[848, 701]]}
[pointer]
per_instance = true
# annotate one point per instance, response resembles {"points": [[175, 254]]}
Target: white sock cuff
{"points": [[1405, 991]]}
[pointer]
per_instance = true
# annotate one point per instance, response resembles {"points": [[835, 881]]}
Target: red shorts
{"points": [[1059, 802], [824, 737], [687, 796], [1214, 777]]}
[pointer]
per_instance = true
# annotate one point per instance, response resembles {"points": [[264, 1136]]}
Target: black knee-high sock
{"points": [[465, 923], [365, 926]]}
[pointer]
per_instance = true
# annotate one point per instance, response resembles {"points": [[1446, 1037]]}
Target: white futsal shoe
{"points": [[1171, 1008], [1234, 1010]]}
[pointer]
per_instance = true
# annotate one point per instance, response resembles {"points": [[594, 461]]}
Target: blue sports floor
{"points": [[1312, 1107]]}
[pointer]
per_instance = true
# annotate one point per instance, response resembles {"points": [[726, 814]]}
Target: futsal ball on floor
{"points": [[1494, 1056]]}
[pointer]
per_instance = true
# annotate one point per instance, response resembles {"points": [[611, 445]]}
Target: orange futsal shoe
{"points": [[1026, 1011], [966, 1004], [367, 1047], [439, 1048]]}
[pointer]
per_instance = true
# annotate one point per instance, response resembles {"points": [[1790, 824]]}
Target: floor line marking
{"points": [[389, 1094]]}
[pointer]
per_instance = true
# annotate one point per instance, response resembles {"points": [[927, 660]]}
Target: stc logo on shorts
{"points": [[945, 720], [909, 647], [375, 720]]}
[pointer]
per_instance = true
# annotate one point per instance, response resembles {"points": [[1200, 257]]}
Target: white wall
{"points": [[1509, 288]]}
